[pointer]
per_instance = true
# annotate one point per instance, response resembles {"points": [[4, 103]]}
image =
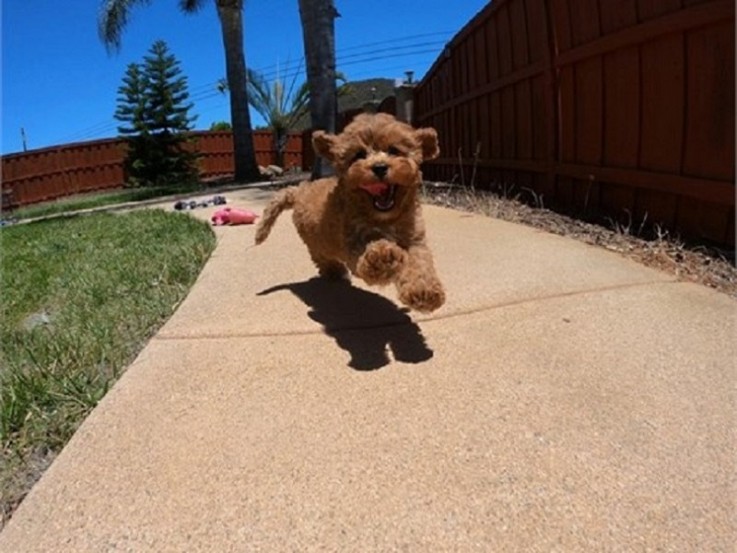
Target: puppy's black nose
{"points": [[380, 169]]}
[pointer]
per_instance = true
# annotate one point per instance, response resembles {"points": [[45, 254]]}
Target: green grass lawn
{"points": [[80, 298]]}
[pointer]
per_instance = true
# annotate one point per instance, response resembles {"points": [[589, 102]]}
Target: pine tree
{"points": [[151, 102], [132, 101], [167, 92]]}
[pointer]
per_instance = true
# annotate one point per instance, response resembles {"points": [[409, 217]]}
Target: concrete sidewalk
{"points": [[563, 399]]}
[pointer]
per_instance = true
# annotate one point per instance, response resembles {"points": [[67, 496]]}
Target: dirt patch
{"points": [[17, 476], [700, 264]]}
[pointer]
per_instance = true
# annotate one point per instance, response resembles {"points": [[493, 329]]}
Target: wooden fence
{"points": [[51, 173], [602, 108]]}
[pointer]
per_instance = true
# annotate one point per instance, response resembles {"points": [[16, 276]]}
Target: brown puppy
{"points": [[367, 220]]}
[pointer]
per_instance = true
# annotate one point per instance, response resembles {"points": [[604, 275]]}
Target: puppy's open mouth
{"points": [[383, 194]]}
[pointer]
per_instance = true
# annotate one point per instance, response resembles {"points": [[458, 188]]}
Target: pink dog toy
{"points": [[233, 216]]}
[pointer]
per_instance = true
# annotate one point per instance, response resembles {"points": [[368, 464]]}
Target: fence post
{"points": [[405, 95]]}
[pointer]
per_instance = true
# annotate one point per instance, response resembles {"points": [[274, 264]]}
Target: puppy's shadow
{"points": [[364, 324]]}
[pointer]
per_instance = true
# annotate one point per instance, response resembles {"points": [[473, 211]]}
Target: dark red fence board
{"points": [[518, 22], [617, 14], [504, 40], [616, 108], [650, 9], [709, 148], [584, 21], [567, 105], [537, 30], [663, 69], [588, 100], [621, 107]]}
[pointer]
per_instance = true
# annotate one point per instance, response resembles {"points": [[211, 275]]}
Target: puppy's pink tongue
{"points": [[375, 188]]}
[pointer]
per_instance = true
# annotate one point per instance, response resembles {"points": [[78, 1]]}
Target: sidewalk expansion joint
{"points": [[331, 330], [540, 299], [288, 333]]}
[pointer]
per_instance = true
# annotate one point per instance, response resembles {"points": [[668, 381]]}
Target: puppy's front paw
{"points": [[380, 262], [423, 297]]}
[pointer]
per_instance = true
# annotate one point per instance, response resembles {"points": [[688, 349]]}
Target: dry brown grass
{"points": [[663, 251]]}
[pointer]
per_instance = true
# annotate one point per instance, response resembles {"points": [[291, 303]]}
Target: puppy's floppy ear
{"points": [[428, 139], [324, 143]]}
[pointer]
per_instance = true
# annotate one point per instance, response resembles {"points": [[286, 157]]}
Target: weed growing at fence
{"points": [[81, 296]]}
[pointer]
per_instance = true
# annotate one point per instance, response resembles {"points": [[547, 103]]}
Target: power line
{"points": [[106, 127], [393, 41], [398, 55], [391, 49], [370, 55], [100, 129], [207, 91]]}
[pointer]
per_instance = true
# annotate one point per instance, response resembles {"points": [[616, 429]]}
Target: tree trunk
{"points": [[318, 31], [230, 14], [281, 138]]}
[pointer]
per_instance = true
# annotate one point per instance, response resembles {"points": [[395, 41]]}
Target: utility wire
{"points": [[207, 91], [339, 53]]}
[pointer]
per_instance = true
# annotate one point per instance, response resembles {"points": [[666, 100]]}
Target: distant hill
{"points": [[358, 93]]}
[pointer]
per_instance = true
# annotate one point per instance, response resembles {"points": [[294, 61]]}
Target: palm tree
{"points": [[113, 18], [318, 31], [280, 106]]}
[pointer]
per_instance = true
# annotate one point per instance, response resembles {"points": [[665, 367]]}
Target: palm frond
{"points": [[112, 19], [191, 6], [300, 104], [296, 74], [259, 93], [282, 107]]}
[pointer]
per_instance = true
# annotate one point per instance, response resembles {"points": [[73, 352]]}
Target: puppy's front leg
{"points": [[418, 284], [380, 262]]}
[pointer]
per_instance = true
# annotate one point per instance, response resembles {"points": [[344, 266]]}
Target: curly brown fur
{"points": [[368, 220]]}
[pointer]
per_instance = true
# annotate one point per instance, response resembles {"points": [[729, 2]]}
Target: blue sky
{"points": [[60, 84]]}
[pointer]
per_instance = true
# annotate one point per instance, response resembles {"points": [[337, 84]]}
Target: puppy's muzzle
{"points": [[380, 169]]}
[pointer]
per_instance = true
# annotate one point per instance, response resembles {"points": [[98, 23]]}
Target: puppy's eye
{"points": [[360, 154], [392, 151]]}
